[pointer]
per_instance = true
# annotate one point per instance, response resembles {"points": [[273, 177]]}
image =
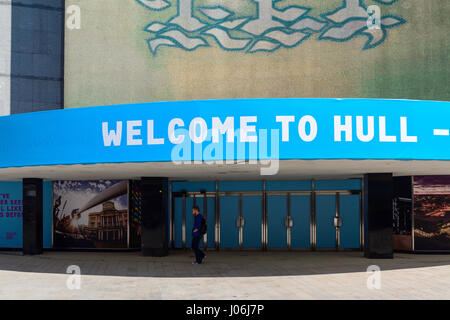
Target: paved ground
{"points": [[225, 275]]}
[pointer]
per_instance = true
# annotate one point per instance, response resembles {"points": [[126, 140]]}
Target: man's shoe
{"points": [[194, 262]]}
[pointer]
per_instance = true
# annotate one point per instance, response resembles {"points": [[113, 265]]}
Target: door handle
{"points": [[337, 222], [240, 222], [288, 222]]}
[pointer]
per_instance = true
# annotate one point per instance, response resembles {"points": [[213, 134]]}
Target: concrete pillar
{"points": [[32, 216], [378, 195], [155, 217]]}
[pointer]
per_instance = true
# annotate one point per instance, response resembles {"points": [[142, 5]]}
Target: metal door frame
{"points": [[217, 218], [288, 218], [264, 214], [240, 195], [288, 195], [195, 195], [264, 217], [337, 194]]}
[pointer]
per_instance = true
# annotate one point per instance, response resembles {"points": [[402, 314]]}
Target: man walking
{"points": [[197, 235]]}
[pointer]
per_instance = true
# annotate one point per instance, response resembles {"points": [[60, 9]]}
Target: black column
{"points": [[378, 194], [155, 217], [32, 216]]}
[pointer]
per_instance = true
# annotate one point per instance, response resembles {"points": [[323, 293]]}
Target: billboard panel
{"points": [[90, 214], [432, 213], [10, 214]]}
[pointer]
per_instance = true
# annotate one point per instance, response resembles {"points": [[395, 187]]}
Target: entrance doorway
{"points": [[268, 219]]}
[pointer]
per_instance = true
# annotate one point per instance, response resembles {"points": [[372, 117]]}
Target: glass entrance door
{"points": [[325, 229], [240, 221], [252, 210], [229, 222], [325, 215], [277, 212], [338, 218], [300, 212], [183, 219], [289, 221], [349, 211]]}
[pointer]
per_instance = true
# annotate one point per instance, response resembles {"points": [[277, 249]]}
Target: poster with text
{"points": [[90, 214], [10, 214], [432, 213]]}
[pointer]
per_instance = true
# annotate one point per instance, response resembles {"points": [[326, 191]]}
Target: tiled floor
{"points": [[225, 275]]}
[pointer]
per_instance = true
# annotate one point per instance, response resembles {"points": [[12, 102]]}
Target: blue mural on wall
{"points": [[270, 29]]}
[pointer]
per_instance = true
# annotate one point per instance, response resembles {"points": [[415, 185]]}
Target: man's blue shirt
{"points": [[197, 225]]}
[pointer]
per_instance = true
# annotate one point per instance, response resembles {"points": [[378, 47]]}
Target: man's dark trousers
{"points": [[199, 255]]}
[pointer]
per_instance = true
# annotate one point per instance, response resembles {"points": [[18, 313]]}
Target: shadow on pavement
{"points": [[217, 264]]}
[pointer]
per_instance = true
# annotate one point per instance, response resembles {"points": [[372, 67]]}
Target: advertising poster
{"points": [[432, 213], [90, 214], [402, 213], [10, 214]]}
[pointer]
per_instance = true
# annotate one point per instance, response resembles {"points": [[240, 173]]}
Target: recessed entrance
{"points": [[272, 215]]}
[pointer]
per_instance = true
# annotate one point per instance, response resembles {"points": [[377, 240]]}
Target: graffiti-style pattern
{"points": [[271, 29]]}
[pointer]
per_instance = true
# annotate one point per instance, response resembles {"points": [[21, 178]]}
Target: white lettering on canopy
{"points": [[198, 131], [363, 126], [112, 136]]}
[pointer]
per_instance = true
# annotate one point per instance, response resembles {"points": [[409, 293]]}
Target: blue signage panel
{"points": [[229, 129], [11, 228], [10, 214]]}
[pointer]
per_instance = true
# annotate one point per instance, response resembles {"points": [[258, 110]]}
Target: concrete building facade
{"points": [[294, 125]]}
